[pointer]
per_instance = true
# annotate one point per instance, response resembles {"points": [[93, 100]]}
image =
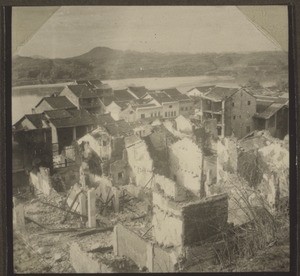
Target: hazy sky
{"points": [[73, 31]]}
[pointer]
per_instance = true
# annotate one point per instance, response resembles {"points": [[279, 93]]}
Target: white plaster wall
{"points": [[140, 162], [185, 164]]}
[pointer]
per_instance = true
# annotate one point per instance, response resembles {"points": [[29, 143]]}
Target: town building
{"points": [[233, 108], [186, 105], [272, 115], [52, 103], [82, 97], [33, 135], [199, 91]]}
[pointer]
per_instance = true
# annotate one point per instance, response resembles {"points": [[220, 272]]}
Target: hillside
{"points": [[106, 63]]}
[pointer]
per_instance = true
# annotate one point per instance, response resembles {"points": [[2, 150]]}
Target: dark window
{"points": [[142, 115], [234, 117], [182, 108], [131, 112], [120, 175], [174, 177], [170, 106], [166, 114], [247, 129], [174, 113], [104, 143], [186, 108], [249, 102], [232, 104], [151, 115], [158, 113]]}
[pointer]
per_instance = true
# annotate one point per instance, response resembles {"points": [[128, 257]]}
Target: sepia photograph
{"points": [[150, 139]]}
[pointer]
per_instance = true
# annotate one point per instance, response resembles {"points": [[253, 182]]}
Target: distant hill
{"points": [[106, 63]]}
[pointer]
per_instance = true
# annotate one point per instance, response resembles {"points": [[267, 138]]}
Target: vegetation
{"points": [[105, 63]]}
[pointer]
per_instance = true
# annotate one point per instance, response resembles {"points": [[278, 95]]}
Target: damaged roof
{"points": [[57, 102], [81, 91], [119, 128], [270, 111]]}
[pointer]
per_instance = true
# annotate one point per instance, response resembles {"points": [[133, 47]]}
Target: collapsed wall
{"points": [[185, 159], [139, 161], [181, 224], [41, 180]]}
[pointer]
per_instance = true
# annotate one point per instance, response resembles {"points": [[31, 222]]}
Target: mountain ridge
{"points": [[107, 63]]}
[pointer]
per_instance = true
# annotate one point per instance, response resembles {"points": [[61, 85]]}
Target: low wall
{"points": [[83, 262], [144, 253]]}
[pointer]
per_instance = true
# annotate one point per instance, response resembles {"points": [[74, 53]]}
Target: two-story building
{"points": [[233, 108], [170, 107], [186, 104], [82, 97]]}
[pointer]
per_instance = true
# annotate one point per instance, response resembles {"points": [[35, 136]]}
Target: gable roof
{"points": [[161, 97], [176, 95], [57, 114], [57, 102], [82, 91], [138, 91], [104, 119], [78, 118], [220, 93], [270, 111], [205, 88], [123, 95], [35, 119]]}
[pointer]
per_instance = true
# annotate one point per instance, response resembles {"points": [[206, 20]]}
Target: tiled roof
{"points": [[161, 97], [176, 95], [79, 118], [104, 119], [138, 91], [205, 88], [119, 128], [57, 114], [82, 91], [220, 93], [96, 83], [57, 102], [36, 119], [269, 111], [123, 95]]}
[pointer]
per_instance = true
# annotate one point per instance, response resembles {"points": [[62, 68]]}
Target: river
{"points": [[24, 98]]}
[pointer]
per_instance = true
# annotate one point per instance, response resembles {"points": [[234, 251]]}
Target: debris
{"points": [[94, 231], [57, 257]]}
